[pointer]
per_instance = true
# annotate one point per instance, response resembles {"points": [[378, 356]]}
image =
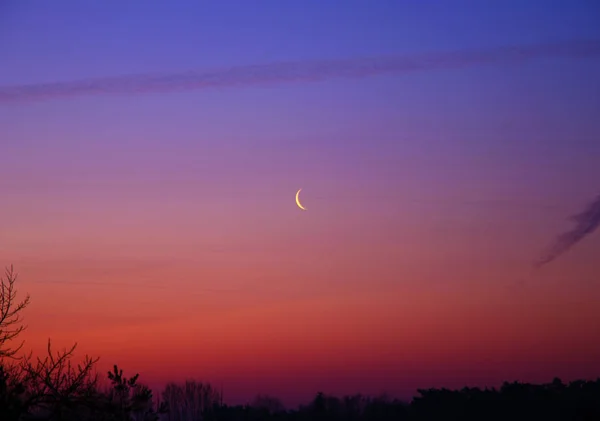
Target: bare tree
{"points": [[191, 401], [46, 385], [57, 386], [10, 315]]}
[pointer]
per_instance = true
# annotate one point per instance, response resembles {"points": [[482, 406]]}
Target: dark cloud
{"points": [[288, 72], [585, 223]]}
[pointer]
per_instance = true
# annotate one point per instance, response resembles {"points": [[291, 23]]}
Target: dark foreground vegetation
{"points": [[54, 388]]}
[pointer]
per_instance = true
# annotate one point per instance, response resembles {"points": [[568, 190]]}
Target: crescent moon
{"points": [[298, 200]]}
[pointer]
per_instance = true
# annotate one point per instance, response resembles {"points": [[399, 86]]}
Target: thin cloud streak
{"points": [[300, 71], [586, 223]]}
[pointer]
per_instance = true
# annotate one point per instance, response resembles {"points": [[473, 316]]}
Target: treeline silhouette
{"points": [[54, 388]]}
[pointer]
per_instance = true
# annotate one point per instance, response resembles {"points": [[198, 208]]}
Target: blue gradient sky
{"points": [[416, 185]]}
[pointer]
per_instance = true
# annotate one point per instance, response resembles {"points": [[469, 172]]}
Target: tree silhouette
{"points": [[12, 389], [129, 400], [268, 404], [11, 397], [191, 401], [10, 315], [57, 387]]}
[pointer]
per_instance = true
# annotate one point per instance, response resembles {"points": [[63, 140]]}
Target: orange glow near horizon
{"points": [[379, 336]]}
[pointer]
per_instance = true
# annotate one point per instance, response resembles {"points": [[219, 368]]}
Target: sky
{"points": [[159, 230]]}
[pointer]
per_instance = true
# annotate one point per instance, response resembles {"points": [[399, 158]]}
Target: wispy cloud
{"points": [[288, 72], [586, 223]]}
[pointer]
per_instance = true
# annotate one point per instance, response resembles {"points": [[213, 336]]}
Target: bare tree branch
{"points": [[54, 381], [10, 315]]}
